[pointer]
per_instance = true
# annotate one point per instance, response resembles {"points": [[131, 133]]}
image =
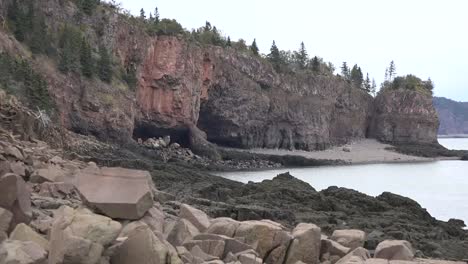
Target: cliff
{"points": [[238, 99], [453, 116], [404, 116]]}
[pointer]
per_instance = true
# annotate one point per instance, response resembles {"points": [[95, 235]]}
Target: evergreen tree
{"points": [[142, 14], [254, 47], [356, 76], [345, 70], [228, 43], [391, 71], [367, 83], [275, 57], [104, 65], [373, 87], [86, 59], [88, 6], [21, 21], [156, 16], [315, 64], [39, 37], [69, 43], [207, 27], [302, 57]]}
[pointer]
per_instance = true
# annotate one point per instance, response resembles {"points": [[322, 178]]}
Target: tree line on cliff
{"points": [[74, 53]]}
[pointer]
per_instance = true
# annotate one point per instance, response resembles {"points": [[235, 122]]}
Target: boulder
{"points": [[142, 246], [333, 248], [15, 197], [197, 217], [263, 236], [52, 173], [211, 247], [305, 246], [59, 190], [155, 219], [351, 238], [11, 151], [394, 250], [249, 259], [232, 245], [22, 252], [223, 226], [358, 255], [25, 233], [116, 192], [200, 145], [182, 231], [17, 168], [198, 253], [5, 220], [79, 236]]}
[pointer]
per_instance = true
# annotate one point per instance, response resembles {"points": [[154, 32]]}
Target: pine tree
{"points": [[301, 56], [70, 43], [315, 64], [254, 48], [88, 6], [373, 87], [228, 43], [19, 20], [207, 27], [142, 14], [104, 65], [391, 71], [39, 36], [345, 70], [86, 59], [275, 57], [356, 76], [156, 16], [367, 83]]}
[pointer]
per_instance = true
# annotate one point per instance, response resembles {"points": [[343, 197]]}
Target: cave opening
{"points": [[145, 131]]}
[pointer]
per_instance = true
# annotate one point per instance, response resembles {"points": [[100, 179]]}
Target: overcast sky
{"points": [[428, 38]]}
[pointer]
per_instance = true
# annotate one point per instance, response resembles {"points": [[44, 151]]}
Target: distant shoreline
{"points": [[453, 136]]}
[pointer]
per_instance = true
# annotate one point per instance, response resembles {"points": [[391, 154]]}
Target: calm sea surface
{"points": [[441, 187]]}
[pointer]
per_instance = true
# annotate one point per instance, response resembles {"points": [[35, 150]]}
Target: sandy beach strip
{"points": [[366, 151]]}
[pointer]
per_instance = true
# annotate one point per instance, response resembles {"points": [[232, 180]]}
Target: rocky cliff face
{"points": [[239, 100], [453, 116], [404, 116]]}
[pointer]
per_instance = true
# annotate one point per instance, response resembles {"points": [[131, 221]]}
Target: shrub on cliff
{"points": [[412, 82], [17, 77], [166, 26]]}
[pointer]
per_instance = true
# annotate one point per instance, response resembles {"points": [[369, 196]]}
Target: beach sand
{"points": [[366, 151]]}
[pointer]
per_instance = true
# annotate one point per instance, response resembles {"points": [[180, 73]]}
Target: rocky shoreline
{"points": [[56, 210]]}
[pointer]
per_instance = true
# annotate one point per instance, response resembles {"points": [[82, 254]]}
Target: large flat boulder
{"points": [[22, 252], [15, 197], [116, 192], [142, 246], [351, 238], [80, 236], [394, 250], [263, 236], [305, 246], [197, 217]]}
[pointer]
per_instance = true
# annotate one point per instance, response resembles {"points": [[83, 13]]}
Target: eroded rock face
{"points": [[404, 116]]}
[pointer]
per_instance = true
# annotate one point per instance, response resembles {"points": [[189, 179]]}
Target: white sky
{"points": [[428, 38]]}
